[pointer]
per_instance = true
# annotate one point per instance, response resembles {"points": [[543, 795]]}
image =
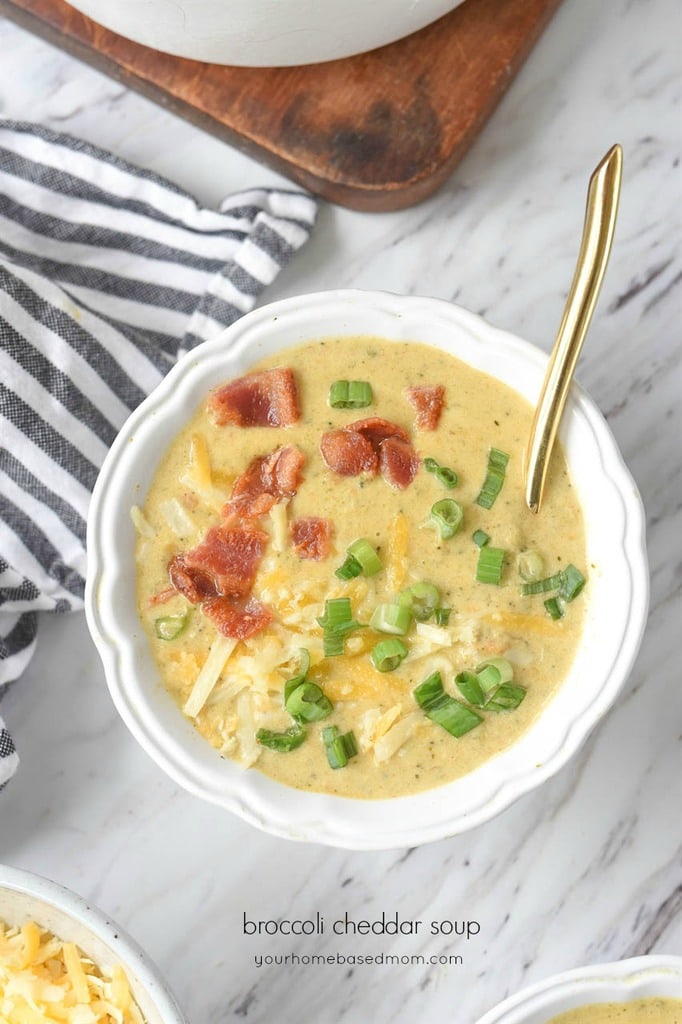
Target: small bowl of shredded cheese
{"points": [[62, 960]]}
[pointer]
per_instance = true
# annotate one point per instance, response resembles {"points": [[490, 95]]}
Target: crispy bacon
{"points": [[267, 480], [428, 402], [370, 445], [268, 398], [398, 462], [348, 453], [377, 430], [237, 617], [223, 564], [312, 537]]}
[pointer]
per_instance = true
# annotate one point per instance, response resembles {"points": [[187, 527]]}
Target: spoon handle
{"points": [[595, 247]]}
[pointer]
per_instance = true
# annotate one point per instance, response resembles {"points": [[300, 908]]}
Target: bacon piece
{"points": [[236, 617], [428, 402], [348, 453], [398, 462], [268, 398], [267, 480], [224, 563], [312, 537], [377, 430]]}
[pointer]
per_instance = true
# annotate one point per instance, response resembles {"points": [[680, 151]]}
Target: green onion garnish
{"points": [[350, 394], [350, 568], [308, 703], [336, 622], [572, 583], [447, 514], [366, 555], [490, 564], [470, 688], [455, 717], [388, 654], [530, 565], [421, 598], [169, 627], [442, 616], [492, 485], [554, 608], [283, 742], [480, 538], [506, 697], [488, 677], [303, 667], [339, 749], [391, 618], [446, 476], [503, 666], [542, 586]]}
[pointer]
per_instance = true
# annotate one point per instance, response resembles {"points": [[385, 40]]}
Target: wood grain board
{"points": [[380, 131]]}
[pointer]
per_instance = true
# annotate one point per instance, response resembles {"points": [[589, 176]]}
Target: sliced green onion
{"points": [[442, 616], [308, 703], [391, 618], [480, 538], [447, 514], [455, 717], [530, 565], [492, 485], [490, 565], [506, 697], [542, 586], [282, 742], [488, 678], [388, 654], [349, 569], [366, 555], [339, 749], [336, 622], [444, 474], [303, 667], [421, 598], [350, 394], [169, 627], [572, 583], [554, 608], [504, 668], [470, 688]]}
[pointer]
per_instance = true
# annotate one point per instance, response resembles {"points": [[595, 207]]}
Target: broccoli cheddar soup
{"points": [[637, 1011], [340, 581]]}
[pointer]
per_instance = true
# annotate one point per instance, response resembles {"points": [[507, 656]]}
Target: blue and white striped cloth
{"points": [[107, 274]]}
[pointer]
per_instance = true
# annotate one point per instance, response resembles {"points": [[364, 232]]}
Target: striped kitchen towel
{"points": [[107, 274]]}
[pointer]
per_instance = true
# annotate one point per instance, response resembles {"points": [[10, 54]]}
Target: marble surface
{"points": [[588, 868]]}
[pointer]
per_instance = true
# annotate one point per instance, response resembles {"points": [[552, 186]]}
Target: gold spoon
{"points": [[595, 247]]}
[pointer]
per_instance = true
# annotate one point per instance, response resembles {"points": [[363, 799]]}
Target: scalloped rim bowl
{"points": [[621, 981], [25, 896], [618, 594]]}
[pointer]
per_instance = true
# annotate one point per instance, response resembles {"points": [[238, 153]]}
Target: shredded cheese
{"points": [[141, 523], [220, 651], [278, 518], [176, 517], [44, 980]]}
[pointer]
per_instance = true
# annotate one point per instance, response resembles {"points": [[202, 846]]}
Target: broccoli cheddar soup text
{"points": [[340, 581]]}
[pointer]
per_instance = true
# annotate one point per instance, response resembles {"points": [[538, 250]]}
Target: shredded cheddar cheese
{"points": [[44, 980]]}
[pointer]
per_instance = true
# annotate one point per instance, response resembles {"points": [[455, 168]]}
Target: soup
{"points": [[637, 1011], [416, 499]]}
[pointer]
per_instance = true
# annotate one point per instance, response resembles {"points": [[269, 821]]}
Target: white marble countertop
{"points": [[588, 868]]}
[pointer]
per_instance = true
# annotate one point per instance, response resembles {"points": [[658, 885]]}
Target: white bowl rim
{"points": [[108, 932], [628, 979], [275, 808]]}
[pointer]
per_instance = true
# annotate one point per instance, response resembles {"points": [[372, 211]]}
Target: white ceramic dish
{"points": [[25, 896], [622, 981], [618, 592], [264, 33]]}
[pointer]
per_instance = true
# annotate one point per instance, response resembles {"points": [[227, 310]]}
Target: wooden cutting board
{"points": [[380, 131]]}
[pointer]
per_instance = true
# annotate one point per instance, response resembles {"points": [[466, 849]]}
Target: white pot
{"points": [[264, 33]]}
